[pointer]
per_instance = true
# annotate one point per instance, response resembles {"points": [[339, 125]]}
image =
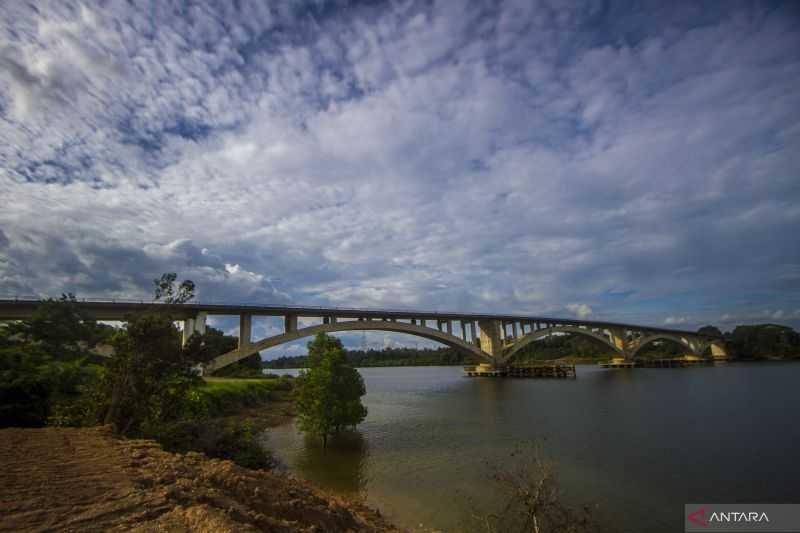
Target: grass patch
{"points": [[214, 427], [222, 396]]}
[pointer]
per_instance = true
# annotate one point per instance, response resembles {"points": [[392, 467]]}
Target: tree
{"points": [[711, 331], [59, 327], [150, 373], [166, 289], [202, 348], [329, 394], [764, 341], [44, 362]]}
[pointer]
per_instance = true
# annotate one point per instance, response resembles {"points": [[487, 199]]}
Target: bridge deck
{"points": [[102, 309]]}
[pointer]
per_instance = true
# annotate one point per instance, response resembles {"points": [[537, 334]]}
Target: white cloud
{"points": [[676, 320], [581, 311], [433, 156]]}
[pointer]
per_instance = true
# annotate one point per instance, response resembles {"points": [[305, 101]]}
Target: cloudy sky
{"points": [[619, 161]]}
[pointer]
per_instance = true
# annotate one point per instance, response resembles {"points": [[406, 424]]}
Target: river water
{"points": [[635, 444]]}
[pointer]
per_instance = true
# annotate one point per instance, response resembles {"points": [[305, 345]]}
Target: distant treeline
{"points": [[764, 341], [386, 357], [559, 346]]}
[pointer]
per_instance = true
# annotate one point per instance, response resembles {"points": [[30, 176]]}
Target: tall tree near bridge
{"points": [[150, 372], [329, 393], [169, 293]]}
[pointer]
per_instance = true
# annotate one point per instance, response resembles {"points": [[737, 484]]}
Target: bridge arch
{"points": [[680, 341], [716, 347], [352, 325], [524, 341]]}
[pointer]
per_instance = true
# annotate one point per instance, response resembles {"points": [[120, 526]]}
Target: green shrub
{"points": [[235, 441]]}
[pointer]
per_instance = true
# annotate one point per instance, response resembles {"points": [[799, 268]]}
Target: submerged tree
{"points": [[534, 499], [329, 393]]}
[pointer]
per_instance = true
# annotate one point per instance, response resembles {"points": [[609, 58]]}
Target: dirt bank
{"points": [[67, 479]]}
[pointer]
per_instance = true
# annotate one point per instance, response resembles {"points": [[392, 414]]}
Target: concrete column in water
{"points": [[619, 338], [490, 338], [245, 330], [290, 323]]}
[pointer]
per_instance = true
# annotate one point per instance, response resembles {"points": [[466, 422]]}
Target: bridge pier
{"points": [[192, 325], [188, 330], [245, 330], [619, 338], [718, 352], [490, 339]]}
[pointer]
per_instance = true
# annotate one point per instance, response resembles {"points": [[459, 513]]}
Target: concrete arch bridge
{"points": [[491, 338]]}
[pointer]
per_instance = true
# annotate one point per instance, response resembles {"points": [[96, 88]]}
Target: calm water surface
{"points": [[638, 443]]}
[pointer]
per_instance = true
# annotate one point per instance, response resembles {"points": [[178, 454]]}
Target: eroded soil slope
{"points": [[69, 479]]}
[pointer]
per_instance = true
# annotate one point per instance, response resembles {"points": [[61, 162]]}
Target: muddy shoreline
{"points": [[86, 479]]}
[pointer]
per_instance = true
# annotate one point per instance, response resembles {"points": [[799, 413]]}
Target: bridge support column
{"points": [[245, 330], [200, 322], [490, 339], [290, 323], [619, 338], [188, 330], [694, 345], [718, 351], [193, 325]]}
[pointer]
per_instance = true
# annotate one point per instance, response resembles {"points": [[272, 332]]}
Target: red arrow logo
{"points": [[698, 517]]}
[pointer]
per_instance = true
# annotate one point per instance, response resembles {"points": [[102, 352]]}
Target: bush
{"points": [[33, 384], [234, 441]]}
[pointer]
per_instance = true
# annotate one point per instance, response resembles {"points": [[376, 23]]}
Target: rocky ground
{"points": [[85, 479]]}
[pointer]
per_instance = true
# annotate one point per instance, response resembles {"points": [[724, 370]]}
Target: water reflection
{"points": [[341, 466]]}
